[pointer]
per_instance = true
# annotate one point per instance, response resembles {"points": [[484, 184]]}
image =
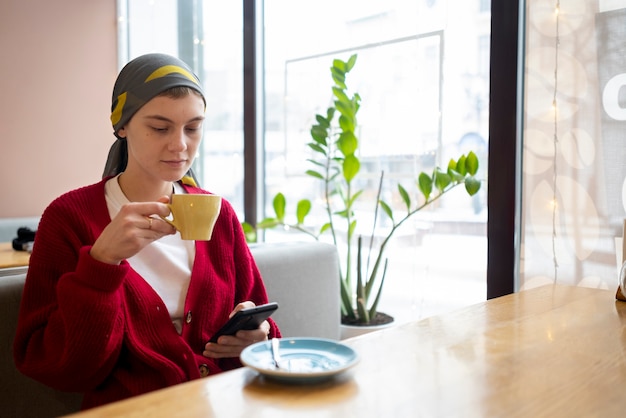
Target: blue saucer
{"points": [[307, 360]]}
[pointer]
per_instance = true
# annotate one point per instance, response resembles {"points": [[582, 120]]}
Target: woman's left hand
{"points": [[233, 345]]}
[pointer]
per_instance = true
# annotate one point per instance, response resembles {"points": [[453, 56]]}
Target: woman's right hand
{"points": [[136, 225]]}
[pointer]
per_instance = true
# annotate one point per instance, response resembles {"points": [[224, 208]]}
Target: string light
{"points": [[554, 202]]}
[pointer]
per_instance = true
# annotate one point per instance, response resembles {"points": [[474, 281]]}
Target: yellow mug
{"points": [[194, 215]]}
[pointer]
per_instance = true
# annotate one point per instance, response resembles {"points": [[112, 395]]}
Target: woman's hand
{"points": [[233, 345], [136, 225]]}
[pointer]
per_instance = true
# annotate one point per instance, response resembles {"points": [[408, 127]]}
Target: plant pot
{"points": [[381, 321]]}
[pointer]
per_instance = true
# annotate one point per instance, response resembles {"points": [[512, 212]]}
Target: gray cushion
{"points": [[303, 277], [21, 396]]}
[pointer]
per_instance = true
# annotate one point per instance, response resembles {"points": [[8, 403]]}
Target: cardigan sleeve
{"points": [[70, 326]]}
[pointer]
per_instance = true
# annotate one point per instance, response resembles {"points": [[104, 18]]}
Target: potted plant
{"points": [[336, 164]]}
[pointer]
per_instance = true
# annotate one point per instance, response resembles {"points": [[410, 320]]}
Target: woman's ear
{"points": [[122, 132]]}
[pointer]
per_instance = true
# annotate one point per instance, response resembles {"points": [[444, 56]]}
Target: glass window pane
{"points": [[154, 27], [223, 81], [423, 74]]}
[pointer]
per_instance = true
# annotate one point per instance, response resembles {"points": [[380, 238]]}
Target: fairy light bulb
{"points": [[552, 204]]}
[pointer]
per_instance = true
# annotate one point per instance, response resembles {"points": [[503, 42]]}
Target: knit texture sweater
{"points": [[100, 329]]}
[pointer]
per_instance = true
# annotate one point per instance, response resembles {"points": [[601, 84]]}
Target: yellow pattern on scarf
{"points": [[169, 69], [189, 181]]}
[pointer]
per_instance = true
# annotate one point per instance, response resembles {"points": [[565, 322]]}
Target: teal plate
{"points": [[307, 360]]}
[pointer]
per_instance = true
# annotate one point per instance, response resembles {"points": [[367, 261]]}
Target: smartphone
{"points": [[247, 318]]}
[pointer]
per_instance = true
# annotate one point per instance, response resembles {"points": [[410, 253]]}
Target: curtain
{"points": [[574, 176]]}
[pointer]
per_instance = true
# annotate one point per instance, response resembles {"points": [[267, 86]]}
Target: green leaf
{"points": [[322, 121], [319, 134], [425, 184], [351, 166], [342, 213], [317, 163], [356, 102], [352, 228], [346, 108], [461, 166], [350, 63], [455, 175], [315, 174], [472, 163], [347, 143], [340, 94], [451, 164], [442, 180], [303, 209], [347, 123], [317, 148], [338, 75], [386, 209], [339, 65], [374, 306], [249, 232], [405, 196], [279, 204], [325, 227], [268, 223], [472, 185], [354, 197]]}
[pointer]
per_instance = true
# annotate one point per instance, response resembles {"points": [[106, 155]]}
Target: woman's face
{"points": [[163, 137]]}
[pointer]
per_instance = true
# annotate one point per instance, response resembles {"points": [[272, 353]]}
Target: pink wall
{"points": [[59, 62]]}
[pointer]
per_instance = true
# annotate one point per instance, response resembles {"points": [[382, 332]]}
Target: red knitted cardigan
{"points": [[100, 329]]}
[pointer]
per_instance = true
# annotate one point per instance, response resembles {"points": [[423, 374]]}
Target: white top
{"points": [[165, 264]]}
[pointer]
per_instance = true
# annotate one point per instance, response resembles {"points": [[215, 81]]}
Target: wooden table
{"points": [[12, 260], [554, 351]]}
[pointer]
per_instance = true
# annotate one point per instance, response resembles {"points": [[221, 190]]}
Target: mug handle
{"points": [[173, 220]]}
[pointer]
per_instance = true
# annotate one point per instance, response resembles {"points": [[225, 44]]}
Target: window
{"points": [[485, 6], [207, 35], [422, 72]]}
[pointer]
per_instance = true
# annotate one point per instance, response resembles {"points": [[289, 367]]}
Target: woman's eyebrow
{"points": [[198, 118]]}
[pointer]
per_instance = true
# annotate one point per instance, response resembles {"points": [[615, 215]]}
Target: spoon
{"points": [[276, 355]]}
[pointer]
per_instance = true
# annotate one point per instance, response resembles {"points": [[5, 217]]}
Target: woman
{"points": [[115, 303]]}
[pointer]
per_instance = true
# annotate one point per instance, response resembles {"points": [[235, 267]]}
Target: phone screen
{"points": [[247, 318]]}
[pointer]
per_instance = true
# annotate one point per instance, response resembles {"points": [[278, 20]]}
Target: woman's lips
{"points": [[175, 163]]}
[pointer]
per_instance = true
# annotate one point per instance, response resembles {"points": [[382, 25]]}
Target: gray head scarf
{"points": [[141, 80]]}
